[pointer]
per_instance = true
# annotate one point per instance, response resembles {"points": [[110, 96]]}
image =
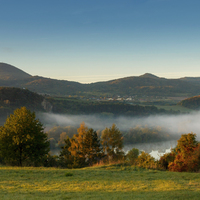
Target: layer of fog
{"points": [[184, 123], [175, 124]]}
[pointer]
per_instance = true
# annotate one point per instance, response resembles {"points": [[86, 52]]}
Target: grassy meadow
{"points": [[100, 182], [176, 108]]}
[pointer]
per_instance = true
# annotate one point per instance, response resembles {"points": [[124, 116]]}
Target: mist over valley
{"points": [[144, 108], [179, 124], [170, 128]]}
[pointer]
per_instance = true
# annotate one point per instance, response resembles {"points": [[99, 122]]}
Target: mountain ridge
{"points": [[146, 84]]}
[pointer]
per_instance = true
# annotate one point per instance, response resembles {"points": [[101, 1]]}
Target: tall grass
{"points": [[97, 182]]}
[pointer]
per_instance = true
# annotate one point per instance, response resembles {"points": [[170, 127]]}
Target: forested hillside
{"points": [[12, 98], [76, 106], [192, 103]]}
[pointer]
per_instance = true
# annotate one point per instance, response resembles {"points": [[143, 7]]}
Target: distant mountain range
{"points": [[147, 84]]}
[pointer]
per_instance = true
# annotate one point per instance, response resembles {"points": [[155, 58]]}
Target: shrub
{"points": [[146, 161], [132, 155], [68, 174], [51, 161]]}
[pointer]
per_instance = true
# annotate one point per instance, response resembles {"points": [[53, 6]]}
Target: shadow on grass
{"points": [[54, 195]]}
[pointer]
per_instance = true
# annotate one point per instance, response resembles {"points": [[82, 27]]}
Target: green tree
{"points": [[66, 158], [132, 155], [22, 139], [112, 141], [93, 149]]}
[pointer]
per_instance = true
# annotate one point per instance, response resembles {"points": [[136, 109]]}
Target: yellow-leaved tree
{"points": [[85, 147]]}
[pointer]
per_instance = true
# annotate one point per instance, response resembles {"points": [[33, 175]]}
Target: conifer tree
{"points": [[66, 158], [77, 146], [93, 149]]}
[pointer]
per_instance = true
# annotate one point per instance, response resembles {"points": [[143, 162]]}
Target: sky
{"points": [[99, 40]]}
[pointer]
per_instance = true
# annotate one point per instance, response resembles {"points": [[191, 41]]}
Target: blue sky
{"points": [[92, 40]]}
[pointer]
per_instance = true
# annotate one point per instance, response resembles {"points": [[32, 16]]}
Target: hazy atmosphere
{"points": [[180, 124], [89, 41]]}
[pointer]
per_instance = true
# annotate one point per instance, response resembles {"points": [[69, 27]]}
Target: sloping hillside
{"points": [[53, 86], [20, 97], [192, 103], [12, 98], [9, 72]]}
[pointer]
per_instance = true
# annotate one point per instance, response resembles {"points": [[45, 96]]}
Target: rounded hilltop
{"points": [[9, 72], [148, 75]]}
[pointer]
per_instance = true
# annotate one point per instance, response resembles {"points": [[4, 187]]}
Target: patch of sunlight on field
{"points": [[75, 186]]}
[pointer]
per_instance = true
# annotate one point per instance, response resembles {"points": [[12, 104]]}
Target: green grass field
{"points": [[176, 108], [104, 182]]}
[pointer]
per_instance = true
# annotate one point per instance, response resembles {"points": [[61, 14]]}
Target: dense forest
{"points": [[13, 98], [77, 106]]}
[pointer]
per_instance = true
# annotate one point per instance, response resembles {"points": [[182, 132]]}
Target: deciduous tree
{"points": [[187, 154], [112, 141], [22, 139], [132, 155]]}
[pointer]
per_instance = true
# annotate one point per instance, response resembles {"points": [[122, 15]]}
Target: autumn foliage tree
{"points": [[22, 139], [85, 147], [166, 159], [77, 146], [187, 154], [145, 160]]}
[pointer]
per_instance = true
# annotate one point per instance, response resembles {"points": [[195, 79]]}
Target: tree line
{"points": [[23, 142], [77, 106], [135, 135]]}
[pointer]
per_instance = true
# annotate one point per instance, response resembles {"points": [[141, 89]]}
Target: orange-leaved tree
{"points": [[187, 154]]}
